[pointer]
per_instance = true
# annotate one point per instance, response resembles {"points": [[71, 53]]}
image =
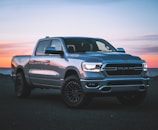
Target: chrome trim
{"points": [[121, 88], [43, 72], [114, 79], [122, 68]]}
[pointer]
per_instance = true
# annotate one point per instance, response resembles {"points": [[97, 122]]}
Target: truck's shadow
{"points": [[45, 98]]}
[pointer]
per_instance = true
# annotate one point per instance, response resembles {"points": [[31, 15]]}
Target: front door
{"points": [[45, 69]]}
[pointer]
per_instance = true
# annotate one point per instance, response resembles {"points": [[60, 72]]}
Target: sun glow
{"points": [[5, 62], [8, 49], [152, 60]]}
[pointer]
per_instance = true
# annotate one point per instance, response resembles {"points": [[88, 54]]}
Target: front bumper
{"points": [[114, 85]]}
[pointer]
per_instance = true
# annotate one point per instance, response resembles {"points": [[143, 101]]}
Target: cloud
{"points": [[4, 45], [15, 45], [143, 44], [146, 37], [144, 50], [153, 49], [11, 48]]}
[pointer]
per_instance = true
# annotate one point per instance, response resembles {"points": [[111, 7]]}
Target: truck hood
{"points": [[104, 57]]}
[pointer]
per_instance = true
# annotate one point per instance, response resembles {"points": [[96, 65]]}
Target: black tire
{"points": [[73, 94], [132, 99], [22, 90]]}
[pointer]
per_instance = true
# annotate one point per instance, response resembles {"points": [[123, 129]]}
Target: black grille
{"points": [[123, 69]]}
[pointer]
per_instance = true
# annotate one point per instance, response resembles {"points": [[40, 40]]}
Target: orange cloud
{"points": [[8, 49]]}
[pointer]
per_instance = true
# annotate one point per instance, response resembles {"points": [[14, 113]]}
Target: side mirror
{"points": [[52, 50], [121, 50]]}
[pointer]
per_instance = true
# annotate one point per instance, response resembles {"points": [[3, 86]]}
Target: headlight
{"points": [[145, 67], [91, 67]]}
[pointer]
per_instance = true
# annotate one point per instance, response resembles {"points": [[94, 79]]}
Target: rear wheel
{"points": [[73, 94], [132, 99], [21, 87]]}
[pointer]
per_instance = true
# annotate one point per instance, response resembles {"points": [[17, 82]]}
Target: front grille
{"points": [[123, 69]]}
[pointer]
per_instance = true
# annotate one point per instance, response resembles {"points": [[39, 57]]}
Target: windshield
{"points": [[87, 44]]}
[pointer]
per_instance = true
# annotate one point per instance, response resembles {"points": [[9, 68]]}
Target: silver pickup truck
{"points": [[81, 67]]}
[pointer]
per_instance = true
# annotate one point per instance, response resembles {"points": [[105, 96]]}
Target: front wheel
{"points": [[132, 99], [73, 94], [21, 87]]}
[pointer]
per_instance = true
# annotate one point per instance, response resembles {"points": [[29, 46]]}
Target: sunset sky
{"points": [[131, 24]]}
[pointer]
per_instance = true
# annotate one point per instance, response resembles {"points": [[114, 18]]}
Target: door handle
{"points": [[32, 61], [39, 62], [46, 62]]}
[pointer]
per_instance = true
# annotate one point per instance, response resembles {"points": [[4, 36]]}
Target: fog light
{"points": [[106, 89], [92, 84]]}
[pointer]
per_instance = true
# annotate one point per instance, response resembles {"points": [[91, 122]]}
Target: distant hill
{"points": [[4, 76], [153, 72], [5, 71]]}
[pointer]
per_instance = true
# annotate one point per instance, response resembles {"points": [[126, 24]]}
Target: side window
{"points": [[56, 44], [40, 51]]}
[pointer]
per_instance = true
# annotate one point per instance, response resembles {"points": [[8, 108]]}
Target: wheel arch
{"points": [[19, 70], [70, 72]]}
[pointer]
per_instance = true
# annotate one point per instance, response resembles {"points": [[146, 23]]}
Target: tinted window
{"points": [[87, 44]]}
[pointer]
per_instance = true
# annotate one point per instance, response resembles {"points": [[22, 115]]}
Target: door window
{"points": [[56, 44], [42, 45]]}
